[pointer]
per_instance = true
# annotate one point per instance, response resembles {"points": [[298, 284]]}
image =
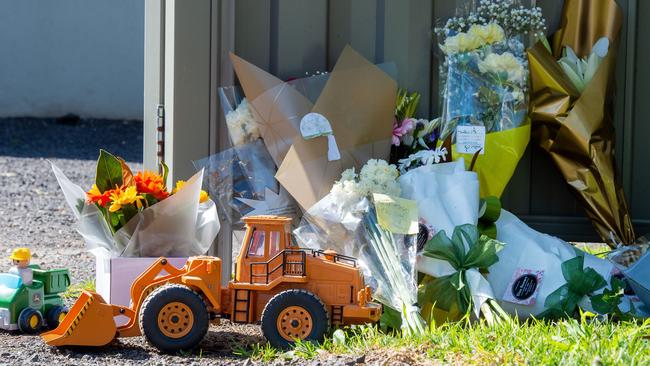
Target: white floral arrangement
{"points": [[376, 176], [242, 125]]}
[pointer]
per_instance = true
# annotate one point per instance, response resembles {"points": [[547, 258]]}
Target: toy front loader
{"points": [[295, 293], [90, 321]]}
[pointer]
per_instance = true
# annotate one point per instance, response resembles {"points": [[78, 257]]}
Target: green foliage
{"points": [[535, 342], [109, 171], [406, 104], [608, 301], [305, 349], [74, 291], [390, 319], [165, 171]]}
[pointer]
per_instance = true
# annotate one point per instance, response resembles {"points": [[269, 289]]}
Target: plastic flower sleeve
{"points": [[389, 260], [484, 86], [240, 119], [350, 227], [90, 221], [241, 180], [178, 226]]}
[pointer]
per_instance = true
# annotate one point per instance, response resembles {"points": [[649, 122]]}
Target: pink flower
{"points": [[402, 129]]}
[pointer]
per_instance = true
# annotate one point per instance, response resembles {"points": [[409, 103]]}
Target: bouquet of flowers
{"points": [[240, 120], [572, 114], [522, 272], [415, 141], [363, 217], [484, 89], [135, 215]]}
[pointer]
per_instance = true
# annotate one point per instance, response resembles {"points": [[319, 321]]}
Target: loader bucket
{"points": [[89, 323]]}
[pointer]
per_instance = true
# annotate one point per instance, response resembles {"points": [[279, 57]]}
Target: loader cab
{"points": [[265, 239]]}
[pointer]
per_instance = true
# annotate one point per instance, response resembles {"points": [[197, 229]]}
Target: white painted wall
{"points": [[71, 56]]}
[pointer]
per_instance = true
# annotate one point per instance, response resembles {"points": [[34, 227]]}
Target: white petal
{"points": [[575, 79], [592, 66], [601, 47], [571, 55]]}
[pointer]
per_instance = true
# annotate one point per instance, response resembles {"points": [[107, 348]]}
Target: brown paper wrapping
{"points": [[576, 130], [359, 102], [278, 107]]}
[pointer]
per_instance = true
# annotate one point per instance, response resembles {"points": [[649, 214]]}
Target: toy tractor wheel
{"points": [[55, 316], [174, 318], [30, 321], [294, 314]]}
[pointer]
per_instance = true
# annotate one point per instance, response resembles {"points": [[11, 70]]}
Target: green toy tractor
{"points": [[31, 308]]}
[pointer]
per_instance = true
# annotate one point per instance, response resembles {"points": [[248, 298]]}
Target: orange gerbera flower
{"points": [[151, 183], [95, 196]]}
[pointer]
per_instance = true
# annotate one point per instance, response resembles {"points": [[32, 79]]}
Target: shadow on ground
{"points": [[70, 138], [216, 345]]}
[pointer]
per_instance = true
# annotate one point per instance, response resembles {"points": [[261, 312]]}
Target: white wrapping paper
{"points": [[447, 196], [176, 227], [527, 249]]}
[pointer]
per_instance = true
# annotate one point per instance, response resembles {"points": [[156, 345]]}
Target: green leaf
{"points": [[441, 292], [165, 170], [109, 171], [390, 319], [608, 301]]}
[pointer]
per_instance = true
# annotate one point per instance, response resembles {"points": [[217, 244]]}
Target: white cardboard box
{"points": [[114, 276]]}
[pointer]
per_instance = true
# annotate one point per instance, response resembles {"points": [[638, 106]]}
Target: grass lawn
{"points": [[567, 342]]}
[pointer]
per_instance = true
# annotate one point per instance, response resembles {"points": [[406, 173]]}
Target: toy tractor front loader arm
{"points": [[90, 321]]}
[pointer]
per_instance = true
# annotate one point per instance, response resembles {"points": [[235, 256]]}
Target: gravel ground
{"points": [[34, 214]]}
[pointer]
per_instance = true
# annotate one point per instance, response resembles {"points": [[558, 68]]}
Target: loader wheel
{"points": [[30, 321], [174, 318], [55, 316], [294, 314]]}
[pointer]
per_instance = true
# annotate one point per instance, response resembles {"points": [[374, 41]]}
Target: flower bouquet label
{"points": [[524, 286], [470, 139]]}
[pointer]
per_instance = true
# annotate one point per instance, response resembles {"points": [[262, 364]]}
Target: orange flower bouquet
{"points": [[136, 215]]}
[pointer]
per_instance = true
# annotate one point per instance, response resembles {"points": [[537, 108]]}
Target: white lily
{"points": [[581, 70]]}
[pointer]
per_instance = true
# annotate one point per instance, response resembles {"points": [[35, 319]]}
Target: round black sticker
{"points": [[524, 287]]}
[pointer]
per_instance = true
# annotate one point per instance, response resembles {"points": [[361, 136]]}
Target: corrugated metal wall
{"points": [[292, 37]]}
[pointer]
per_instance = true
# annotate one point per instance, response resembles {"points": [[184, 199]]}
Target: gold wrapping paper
{"points": [[576, 130]]}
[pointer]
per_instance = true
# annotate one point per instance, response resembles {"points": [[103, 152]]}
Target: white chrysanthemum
{"points": [[376, 176], [503, 63], [242, 125], [348, 174]]}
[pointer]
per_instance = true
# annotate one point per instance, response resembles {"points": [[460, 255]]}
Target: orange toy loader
{"points": [[294, 293]]}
